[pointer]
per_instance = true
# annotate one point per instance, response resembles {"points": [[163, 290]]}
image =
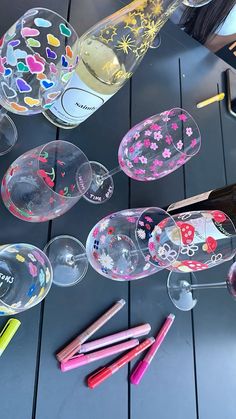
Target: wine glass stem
{"points": [[207, 286], [112, 172]]}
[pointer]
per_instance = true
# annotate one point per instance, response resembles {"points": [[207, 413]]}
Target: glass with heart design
{"points": [[117, 247], [47, 181], [150, 150], [183, 290], [37, 59], [25, 277]]}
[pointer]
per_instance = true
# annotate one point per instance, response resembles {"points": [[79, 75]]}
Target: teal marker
{"points": [[7, 333]]}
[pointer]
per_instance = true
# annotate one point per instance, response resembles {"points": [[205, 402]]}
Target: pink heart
{"points": [[53, 68], [29, 32], [35, 66]]}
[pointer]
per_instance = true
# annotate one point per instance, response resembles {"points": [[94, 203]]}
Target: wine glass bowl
{"points": [[231, 280], [159, 145]]}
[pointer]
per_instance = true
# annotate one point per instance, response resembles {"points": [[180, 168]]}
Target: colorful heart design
{"points": [[47, 105], [22, 86], [69, 51], [34, 43], [31, 101], [19, 53], [11, 58], [53, 96], [64, 30], [41, 76], [17, 107], [14, 43], [47, 84], [8, 91], [42, 23], [66, 77], [51, 54], [53, 68], [52, 40], [29, 32], [2, 62], [7, 72], [64, 62], [35, 66], [1, 40], [22, 67]]}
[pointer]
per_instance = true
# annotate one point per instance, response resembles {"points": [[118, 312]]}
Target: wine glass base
{"points": [[99, 191], [8, 134], [62, 251], [178, 286]]}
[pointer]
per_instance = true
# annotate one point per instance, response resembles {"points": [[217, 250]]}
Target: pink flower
{"points": [[174, 126], [147, 122], [189, 131], [168, 139], [136, 160], [193, 143], [129, 164], [95, 231], [151, 246], [165, 119], [180, 144], [143, 160], [131, 219], [157, 135], [153, 146], [146, 142], [166, 153], [171, 164], [182, 117], [181, 160], [131, 149], [138, 144], [155, 127], [136, 135], [158, 163], [139, 172], [103, 239], [148, 132]]}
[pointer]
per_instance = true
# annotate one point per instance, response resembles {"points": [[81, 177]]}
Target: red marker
{"points": [[100, 376]]}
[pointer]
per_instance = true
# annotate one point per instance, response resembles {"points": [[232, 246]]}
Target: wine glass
{"points": [[183, 291], [25, 277], [150, 150], [117, 247], [196, 3], [47, 181], [37, 59]]}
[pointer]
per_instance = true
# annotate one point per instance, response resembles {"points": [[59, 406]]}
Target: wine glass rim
{"points": [[174, 222], [19, 310], [32, 50], [197, 127], [15, 134], [86, 161]]}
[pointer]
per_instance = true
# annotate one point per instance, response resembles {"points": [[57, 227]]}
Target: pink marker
{"points": [[134, 332], [144, 364], [80, 360]]}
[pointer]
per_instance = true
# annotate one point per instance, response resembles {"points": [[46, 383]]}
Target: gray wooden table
{"points": [[194, 373]]}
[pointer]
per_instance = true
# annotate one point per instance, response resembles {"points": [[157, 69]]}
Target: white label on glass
{"points": [[189, 201], [77, 102]]}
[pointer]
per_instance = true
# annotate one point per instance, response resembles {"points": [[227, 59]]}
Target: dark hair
{"points": [[201, 22]]}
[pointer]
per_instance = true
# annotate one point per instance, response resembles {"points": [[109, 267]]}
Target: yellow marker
{"points": [[7, 333], [216, 98]]}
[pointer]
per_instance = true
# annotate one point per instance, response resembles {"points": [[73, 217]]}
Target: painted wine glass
{"points": [[25, 277], [117, 247], [47, 181], [38, 55], [183, 290], [151, 150]]}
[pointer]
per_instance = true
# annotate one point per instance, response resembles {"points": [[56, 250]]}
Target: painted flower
{"points": [[110, 230], [131, 219], [139, 171], [146, 142], [139, 145], [141, 223], [182, 117], [180, 145], [143, 160], [147, 122], [189, 131], [106, 261], [131, 149], [135, 160], [158, 163], [193, 143], [168, 139], [189, 250], [141, 233], [174, 126], [129, 164], [181, 160], [102, 238], [153, 146], [151, 246], [33, 270], [148, 133], [171, 164], [155, 127], [165, 118], [95, 232], [103, 224], [136, 135], [166, 153], [157, 135]]}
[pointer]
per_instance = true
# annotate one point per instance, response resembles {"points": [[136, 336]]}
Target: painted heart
{"points": [[14, 43], [34, 43], [11, 58], [31, 12], [53, 96], [64, 30], [2, 62], [51, 54], [17, 107], [41, 76], [29, 32], [7, 72], [69, 51], [47, 84], [22, 67], [35, 66], [53, 68], [39, 58], [66, 77], [52, 40], [64, 61], [1, 40], [19, 53], [42, 23], [8, 91], [31, 101], [22, 86], [47, 105]]}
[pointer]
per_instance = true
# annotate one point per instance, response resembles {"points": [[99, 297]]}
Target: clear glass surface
{"points": [[47, 181], [180, 292], [25, 277], [196, 3]]}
